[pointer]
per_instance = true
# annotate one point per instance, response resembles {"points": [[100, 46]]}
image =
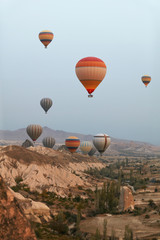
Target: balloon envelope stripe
{"points": [[45, 40], [72, 144], [43, 33], [90, 64], [146, 81], [72, 147], [68, 140], [98, 136], [93, 73]]}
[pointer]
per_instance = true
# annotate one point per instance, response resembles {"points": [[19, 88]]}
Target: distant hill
{"points": [[118, 147], [20, 135]]}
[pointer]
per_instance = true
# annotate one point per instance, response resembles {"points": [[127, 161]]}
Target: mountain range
{"points": [[117, 147]]}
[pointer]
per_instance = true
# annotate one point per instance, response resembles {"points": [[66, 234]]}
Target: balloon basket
{"points": [[90, 95]]}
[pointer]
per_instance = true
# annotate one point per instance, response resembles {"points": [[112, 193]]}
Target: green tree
{"points": [[105, 229], [102, 199], [78, 220], [97, 199], [97, 235], [113, 236], [126, 162], [128, 234], [131, 176]]}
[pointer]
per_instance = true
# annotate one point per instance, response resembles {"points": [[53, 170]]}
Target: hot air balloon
{"points": [[27, 144], [46, 37], [101, 142], [72, 143], [48, 142], [46, 104], [92, 151], [34, 131], [90, 71], [85, 147], [146, 79]]}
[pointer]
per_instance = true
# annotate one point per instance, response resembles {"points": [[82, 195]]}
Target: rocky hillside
{"points": [[13, 223], [42, 168]]}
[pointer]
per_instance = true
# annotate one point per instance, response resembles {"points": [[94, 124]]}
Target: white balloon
{"points": [[101, 142]]}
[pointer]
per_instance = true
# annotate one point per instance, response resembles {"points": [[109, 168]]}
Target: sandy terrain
{"points": [[118, 223]]}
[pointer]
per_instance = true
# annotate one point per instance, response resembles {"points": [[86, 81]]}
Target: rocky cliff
{"points": [[13, 223], [43, 168], [126, 201]]}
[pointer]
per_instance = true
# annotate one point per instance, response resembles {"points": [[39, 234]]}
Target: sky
{"points": [[124, 34]]}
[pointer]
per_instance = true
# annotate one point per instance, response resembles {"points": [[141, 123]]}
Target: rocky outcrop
{"points": [[126, 201], [13, 223], [34, 211], [45, 169]]}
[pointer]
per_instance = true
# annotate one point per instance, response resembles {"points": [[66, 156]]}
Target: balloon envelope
{"points": [[146, 79], [48, 142], [85, 147], [27, 144], [92, 151], [46, 37], [46, 104], [72, 143], [101, 142], [34, 131], [90, 71]]}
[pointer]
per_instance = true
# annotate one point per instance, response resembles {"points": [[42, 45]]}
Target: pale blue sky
{"points": [[124, 34]]}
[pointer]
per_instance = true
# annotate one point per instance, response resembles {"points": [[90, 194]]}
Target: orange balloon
{"points": [[90, 71], [46, 37], [146, 79], [72, 143]]}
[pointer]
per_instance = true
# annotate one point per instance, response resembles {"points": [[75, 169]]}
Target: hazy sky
{"points": [[124, 34]]}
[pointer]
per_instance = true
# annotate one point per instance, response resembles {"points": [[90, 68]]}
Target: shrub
{"points": [[18, 179]]}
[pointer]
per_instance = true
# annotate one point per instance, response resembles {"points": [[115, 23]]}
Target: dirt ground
{"points": [[142, 227], [118, 223], [143, 198]]}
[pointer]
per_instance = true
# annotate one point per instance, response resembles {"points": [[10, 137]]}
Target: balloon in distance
{"points": [[46, 104], [48, 142], [72, 143], [90, 71], [85, 147], [34, 131], [146, 79], [46, 37], [92, 151], [101, 142], [27, 144]]}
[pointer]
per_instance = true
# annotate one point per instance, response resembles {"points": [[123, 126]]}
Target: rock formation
{"points": [[42, 168], [126, 201], [13, 223], [34, 211]]}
